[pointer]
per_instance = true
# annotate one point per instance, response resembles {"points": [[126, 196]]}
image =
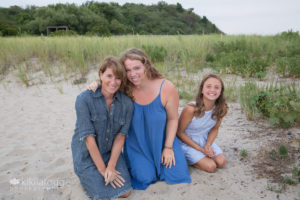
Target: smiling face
{"points": [[110, 83], [211, 89], [135, 71]]}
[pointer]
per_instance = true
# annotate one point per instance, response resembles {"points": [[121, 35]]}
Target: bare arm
{"points": [[172, 115], [116, 150], [184, 120], [213, 133], [169, 93], [95, 154], [210, 139], [111, 175]]}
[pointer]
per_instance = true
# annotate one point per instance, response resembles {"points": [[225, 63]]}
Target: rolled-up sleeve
{"points": [[84, 126], [128, 116]]}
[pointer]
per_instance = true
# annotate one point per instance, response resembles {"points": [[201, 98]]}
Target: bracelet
{"points": [[167, 147]]}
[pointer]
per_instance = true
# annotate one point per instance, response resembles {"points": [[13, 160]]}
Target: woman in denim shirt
{"points": [[103, 120]]}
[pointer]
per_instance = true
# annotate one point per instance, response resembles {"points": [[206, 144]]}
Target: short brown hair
{"points": [[115, 64]]}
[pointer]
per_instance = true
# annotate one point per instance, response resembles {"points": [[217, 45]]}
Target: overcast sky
{"points": [[264, 17]]}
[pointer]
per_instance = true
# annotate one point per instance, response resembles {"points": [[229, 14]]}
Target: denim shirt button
{"points": [[106, 139], [107, 130]]}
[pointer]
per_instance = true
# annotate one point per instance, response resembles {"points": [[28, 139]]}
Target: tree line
{"points": [[103, 19]]}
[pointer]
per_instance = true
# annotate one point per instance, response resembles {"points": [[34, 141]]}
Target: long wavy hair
{"points": [[138, 54], [221, 107], [117, 67]]}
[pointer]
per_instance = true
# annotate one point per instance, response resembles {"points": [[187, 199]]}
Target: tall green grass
{"points": [[179, 58], [248, 56]]}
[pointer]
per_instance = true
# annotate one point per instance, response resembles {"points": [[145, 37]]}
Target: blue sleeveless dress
{"points": [[144, 146]]}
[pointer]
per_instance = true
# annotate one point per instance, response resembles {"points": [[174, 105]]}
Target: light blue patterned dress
{"points": [[198, 131]]}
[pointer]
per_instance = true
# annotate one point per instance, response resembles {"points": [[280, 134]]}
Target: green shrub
{"points": [[240, 57], [289, 35], [280, 104], [244, 153], [210, 57], [63, 33], [156, 53], [283, 151], [288, 180], [288, 66]]}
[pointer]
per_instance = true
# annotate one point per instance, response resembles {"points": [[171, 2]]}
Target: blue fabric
{"points": [[94, 119], [198, 130], [144, 145]]}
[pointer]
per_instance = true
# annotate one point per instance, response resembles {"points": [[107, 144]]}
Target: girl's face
{"points": [[110, 83], [135, 71], [211, 89]]}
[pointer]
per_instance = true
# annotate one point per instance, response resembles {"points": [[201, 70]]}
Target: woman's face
{"points": [[110, 83], [211, 89], [135, 71]]}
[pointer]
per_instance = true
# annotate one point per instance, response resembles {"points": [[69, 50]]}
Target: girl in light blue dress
{"points": [[199, 124]]}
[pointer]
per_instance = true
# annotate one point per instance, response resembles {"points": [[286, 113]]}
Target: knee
{"points": [[125, 195], [221, 162], [211, 167]]}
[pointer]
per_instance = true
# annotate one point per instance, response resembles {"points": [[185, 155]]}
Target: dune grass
{"points": [[179, 58], [247, 56]]}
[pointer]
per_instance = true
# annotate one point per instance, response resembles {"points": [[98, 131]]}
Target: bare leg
{"points": [[206, 164], [220, 160], [125, 195]]}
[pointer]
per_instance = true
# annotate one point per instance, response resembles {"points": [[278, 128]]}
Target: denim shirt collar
{"points": [[98, 94]]}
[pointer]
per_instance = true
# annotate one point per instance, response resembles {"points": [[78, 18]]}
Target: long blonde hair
{"points": [[221, 107], [138, 54]]}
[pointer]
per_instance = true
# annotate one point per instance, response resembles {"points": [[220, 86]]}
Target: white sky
{"points": [[264, 17]]}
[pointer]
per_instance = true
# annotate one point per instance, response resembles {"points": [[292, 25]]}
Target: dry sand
{"points": [[36, 163]]}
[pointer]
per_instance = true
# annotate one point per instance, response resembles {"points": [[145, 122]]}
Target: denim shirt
{"points": [[94, 119]]}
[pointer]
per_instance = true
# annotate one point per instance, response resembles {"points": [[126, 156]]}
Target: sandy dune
{"points": [[35, 133]]}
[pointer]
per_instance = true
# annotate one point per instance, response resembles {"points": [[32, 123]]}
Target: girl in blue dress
{"points": [[103, 120], [199, 123]]}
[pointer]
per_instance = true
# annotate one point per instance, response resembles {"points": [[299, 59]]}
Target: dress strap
{"points": [[161, 85]]}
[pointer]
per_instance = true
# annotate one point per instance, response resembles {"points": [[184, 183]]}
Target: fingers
{"points": [[120, 178], [167, 158], [93, 86], [118, 182], [106, 177], [113, 185], [168, 161], [114, 179]]}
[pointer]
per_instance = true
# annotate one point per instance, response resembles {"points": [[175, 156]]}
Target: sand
{"points": [[37, 125]]}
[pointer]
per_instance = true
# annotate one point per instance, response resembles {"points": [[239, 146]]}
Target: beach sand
{"points": [[37, 125]]}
